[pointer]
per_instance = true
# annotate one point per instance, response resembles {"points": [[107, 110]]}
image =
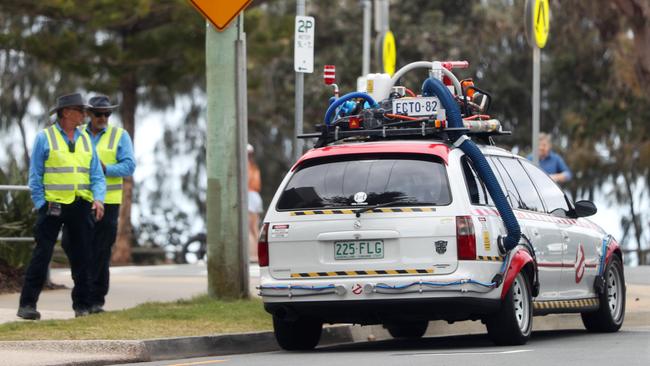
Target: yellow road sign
{"points": [[220, 13], [541, 20], [389, 53]]}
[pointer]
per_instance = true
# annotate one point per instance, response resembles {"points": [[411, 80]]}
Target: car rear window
{"points": [[420, 181]]}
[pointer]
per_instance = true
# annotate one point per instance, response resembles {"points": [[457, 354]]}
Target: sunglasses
{"points": [[100, 114]]}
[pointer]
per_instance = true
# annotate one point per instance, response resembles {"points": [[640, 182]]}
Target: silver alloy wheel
{"points": [[521, 304], [614, 297]]}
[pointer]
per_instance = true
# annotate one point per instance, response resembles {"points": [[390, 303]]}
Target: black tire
{"points": [[611, 312], [513, 323], [410, 330], [298, 335]]}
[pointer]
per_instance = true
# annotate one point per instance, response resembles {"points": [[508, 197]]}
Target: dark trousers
{"points": [[76, 218], [102, 244]]}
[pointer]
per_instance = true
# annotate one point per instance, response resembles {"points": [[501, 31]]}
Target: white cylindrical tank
{"points": [[378, 86]]}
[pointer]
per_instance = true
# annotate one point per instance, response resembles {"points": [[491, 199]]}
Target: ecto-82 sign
{"points": [[303, 50], [424, 106]]}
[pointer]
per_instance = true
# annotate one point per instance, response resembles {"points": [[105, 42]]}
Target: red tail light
{"points": [[263, 246], [465, 238]]}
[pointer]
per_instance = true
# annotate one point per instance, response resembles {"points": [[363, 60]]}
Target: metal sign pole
{"points": [[536, 72], [242, 154], [537, 22], [300, 88]]}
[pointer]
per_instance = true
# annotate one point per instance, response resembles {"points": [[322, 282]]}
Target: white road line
{"points": [[470, 353]]}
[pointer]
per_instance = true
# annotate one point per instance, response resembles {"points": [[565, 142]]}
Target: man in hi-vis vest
{"points": [[68, 188], [115, 152]]}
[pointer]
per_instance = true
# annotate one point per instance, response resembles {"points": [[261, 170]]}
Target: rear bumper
{"points": [[386, 311]]}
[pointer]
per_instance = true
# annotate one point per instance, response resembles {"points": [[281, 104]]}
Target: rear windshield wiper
{"points": [[368, 208]]}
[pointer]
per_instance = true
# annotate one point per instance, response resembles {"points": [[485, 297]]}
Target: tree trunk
{"points": [[23, 136], [122, 250], [634, 219]]}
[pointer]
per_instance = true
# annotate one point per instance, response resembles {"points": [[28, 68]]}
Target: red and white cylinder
{"points": [[329, 74]]}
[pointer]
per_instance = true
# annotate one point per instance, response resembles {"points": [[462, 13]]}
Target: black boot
{"points": [[96, 309], [78, 313], [28, 312]]}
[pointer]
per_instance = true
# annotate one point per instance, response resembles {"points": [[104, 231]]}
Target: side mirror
{"points": [[585, 208]]}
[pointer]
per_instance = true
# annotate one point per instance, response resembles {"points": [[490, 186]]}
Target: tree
{"points": [[637, 17], [151, 51]]}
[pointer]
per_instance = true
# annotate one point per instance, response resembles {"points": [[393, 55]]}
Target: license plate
{"points": [[363, 249], [422, 106]]}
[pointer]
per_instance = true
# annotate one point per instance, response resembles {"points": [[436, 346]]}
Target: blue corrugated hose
{"points": [[435, 87], [333, 106]]}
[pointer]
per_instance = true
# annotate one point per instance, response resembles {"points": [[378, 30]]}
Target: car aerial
{"points": [[406, 212]]}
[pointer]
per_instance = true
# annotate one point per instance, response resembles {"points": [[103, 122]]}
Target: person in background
{"points": [[115, 151], [255, 205], [550, 162], [67, 187]]}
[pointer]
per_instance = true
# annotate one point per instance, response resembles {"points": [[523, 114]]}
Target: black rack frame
{"points": [[332, 134]]}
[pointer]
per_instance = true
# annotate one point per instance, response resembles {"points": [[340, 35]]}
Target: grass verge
{"points": [[198, 316]]}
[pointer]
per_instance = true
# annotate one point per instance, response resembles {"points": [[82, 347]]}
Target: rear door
{"points": [[581, 241], [407, 227], [556, 210], [540, 229]]}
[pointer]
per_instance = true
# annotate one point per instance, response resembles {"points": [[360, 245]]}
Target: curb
{"points": [[228, 344], [102, 352]]}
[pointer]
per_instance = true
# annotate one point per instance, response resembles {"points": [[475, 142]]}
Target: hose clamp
{"points": [[460, 140], [501, 245]]}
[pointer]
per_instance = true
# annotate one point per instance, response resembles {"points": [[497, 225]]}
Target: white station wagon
{"points": [[398, 226]]}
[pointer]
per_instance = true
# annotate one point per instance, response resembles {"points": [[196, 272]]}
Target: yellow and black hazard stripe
{"points": [[376, 210], [566, 304], [490, 258], [362, 273]]}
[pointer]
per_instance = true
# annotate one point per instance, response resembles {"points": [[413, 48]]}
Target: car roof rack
{"points": [[339, 132]]}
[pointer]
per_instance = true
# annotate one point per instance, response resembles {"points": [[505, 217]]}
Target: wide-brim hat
{"points": [[69, 100], [101, 102]]}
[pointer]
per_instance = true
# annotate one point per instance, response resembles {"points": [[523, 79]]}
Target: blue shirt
{"points": [[553, 164], [125, 165], [41, 152]]}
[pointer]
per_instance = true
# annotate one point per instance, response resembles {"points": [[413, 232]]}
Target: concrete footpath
{"points": [[131, 286]]}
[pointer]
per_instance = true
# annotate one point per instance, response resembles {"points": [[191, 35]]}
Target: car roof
{"points": [[437, 148], [495, 150]]}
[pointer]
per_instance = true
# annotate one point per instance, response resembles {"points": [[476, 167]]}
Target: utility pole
{"points": [[381, 15], [367, 18], [227, 218], [382, 27]]}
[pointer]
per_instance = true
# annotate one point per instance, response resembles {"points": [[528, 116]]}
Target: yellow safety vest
{"points": [[67, 174], [107, 151]]}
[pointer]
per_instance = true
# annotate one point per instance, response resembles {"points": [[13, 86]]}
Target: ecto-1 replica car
{"points": [[405, 212]]}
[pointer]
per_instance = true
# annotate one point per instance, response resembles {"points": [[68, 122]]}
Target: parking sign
{"points": [[303, 51]]}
